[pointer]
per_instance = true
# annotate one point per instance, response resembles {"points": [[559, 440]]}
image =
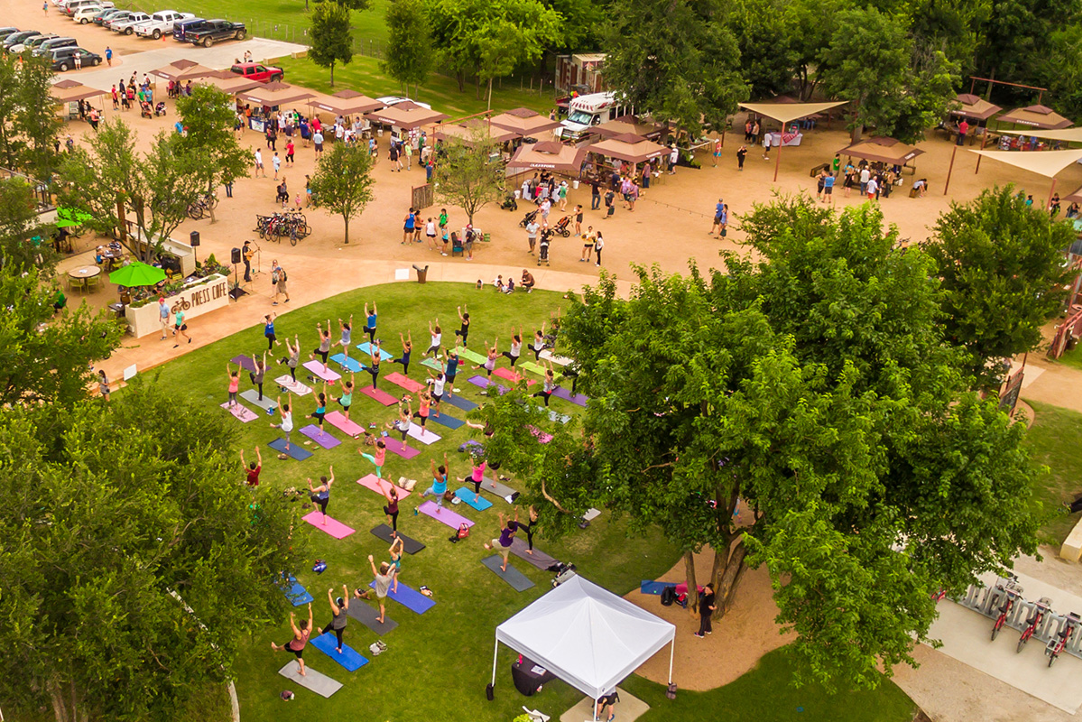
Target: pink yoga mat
{"points": [[334, 527], [316, 367], [379, 395], [405, 382], [374, 484], [543, 437], [323, 438], [397, 447], [240, 412], [340, 422], [445, 516], [511, 376]]}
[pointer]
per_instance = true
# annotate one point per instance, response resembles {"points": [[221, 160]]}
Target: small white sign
{"points": [[401, 274]]}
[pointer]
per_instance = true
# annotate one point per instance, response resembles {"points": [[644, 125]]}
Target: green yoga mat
{"points": [[534, 367], [471, 355]]}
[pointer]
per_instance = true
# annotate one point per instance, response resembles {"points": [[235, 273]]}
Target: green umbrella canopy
{"points": [[137, 274]]}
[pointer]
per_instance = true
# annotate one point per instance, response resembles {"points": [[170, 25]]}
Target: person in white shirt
{"points": [[674, 156]]}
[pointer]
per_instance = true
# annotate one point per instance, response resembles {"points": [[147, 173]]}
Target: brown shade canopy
{"points": [[344, 102], [70, 91], [468, 131], [183, 70], [548, 156], [275, 95], [1036, 116], [885, 150], [632, 124], [524, 122], [973, 107], [229, 82], [629, 147], [1075, 197], [406, 115]]}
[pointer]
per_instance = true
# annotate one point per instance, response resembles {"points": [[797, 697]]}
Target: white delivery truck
{"points": [[586, 111]]}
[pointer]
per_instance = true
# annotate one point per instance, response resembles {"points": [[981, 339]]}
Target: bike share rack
{"points": [[986, 601]]}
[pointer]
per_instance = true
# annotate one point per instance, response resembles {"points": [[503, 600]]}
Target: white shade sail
{"points": [[1047, 162], [786, 112]]}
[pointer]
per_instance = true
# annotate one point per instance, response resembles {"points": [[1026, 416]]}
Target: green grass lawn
{"points": [[438, 664], [1072, 358], [1055, 440]]}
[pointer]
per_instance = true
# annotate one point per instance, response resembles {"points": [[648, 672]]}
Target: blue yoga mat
{"points": [[409, 598], [350, 658], [297, 594], [444, 420], [468, 496], [460, 402], [349, 364], [655, 588], [366, 349], [295, 451]]}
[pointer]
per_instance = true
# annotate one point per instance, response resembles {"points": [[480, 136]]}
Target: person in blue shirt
{"points": [[828, 189], [439, 482], [370, 322], [719, 211], [178, 126], [450, 371]]}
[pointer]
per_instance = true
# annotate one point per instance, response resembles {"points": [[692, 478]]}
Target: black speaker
{"points": [[234, 256], [194, 239]]}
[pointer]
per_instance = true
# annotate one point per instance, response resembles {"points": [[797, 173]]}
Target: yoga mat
{"points": [[318, 682], [297, 594], [485, 383], [360, 610], [411, 546], [539, 559], [295, 451], [373, 483], [322, 438], [449, 421], [245, 362], [379, 395], [512, 576], [533, 367], [340, 422], [476, 501], [501, 490], [409, 598], [349, 364], [541, 435], [647, 586], [350, 658], [240, 412], [397, 447], [511, 376], [316, 367], [366, 349], [334, 527], [427, 438], [446, 516], [556, 359], [268, 404], [460, 402], [578, 399], [296, 387], [470, 355], [432, 364], [405, 382], [591, 514]]}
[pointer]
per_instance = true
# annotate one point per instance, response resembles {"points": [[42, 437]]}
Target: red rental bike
{"points": [[1057, 643], [1011, 592], [1040, 608]]}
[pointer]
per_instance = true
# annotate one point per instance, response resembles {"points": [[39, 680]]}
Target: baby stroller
{"points": [[145, 110], [529, 217], [509, 203], [563, 226], [543, 248], [159, 109]]}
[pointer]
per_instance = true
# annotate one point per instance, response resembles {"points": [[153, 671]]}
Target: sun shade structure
{"points": [[884, 150], [137, 274], [973, 107], [1066, 135], [228, 82], [345, 102], [524, 122], [632, 124], [629, 147], [786, 111], [586, 635], [275, 95], [548, 156], [1047, 163], [407, 116], [1036, 116], [468, 131], [1075, 197], [70, 91], [182, 70]]}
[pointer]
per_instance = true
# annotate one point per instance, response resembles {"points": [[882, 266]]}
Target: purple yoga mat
{"points": [[485, 383], [578, 399], [446, 516], [245, 362], [397, 447], [334, 527], [322, 438], [242, 413], [316, 367]]}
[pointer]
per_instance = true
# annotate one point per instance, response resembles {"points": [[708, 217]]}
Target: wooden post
{"points": [[984, 137], [949, 169], [777, 161]]}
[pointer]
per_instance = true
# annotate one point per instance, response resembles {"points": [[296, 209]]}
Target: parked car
{"points": [[16, 38], [116, 18], [4, 32], [75, 5], [127, 27], [161, 23], [51, 44], [64, 58], [258, 71], [108, 14], [87, 13], [389, 100], [31, 42], [181, 28], [214, 31]]}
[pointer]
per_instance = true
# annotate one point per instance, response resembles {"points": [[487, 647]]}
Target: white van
{"points": [[586, 111]]}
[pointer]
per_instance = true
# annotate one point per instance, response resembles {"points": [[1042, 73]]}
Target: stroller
{"points": [[529, 217], [159, 109], [145, 110], [543, 248], [563, 226], [509, 203]]}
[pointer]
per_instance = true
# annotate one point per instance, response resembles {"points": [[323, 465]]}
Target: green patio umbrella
{"points": [[137, 274], [67, 217]]}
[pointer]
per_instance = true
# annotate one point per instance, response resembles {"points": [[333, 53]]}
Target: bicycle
{"points": [[1057, 643], [202, 206], [937, 597], [1040, 608], [1012, 592]]}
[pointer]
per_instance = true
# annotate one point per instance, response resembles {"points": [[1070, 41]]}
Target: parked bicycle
{"points": [[202, 207], [1040, 608], [1011, 592], [291, 224], [1057, 643]]}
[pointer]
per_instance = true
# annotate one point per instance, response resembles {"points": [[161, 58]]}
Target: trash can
{"points": [[518, 194], [575, 184], [422, 273]]}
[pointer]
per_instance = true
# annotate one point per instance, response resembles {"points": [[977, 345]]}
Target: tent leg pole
{"points": [[495, 654], [777, 160], [984, 137], [672, 651], [949, 169], [595, 710]]}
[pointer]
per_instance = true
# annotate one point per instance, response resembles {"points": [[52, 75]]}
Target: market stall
{"points": [[344, 103], [469, 131], [70, 93], [549, 155], [404, 117], [786, 113], [524, 122], [269, 97], [630, 125], [228, 82], [180, 71], [879, 149], [1035, 116]]}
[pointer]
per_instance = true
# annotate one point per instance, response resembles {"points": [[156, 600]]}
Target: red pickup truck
{"points": [[258, 71]]}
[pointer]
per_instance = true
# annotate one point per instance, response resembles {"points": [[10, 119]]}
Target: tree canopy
{"points": [[465, 174], [332, 38], [208, 118], [29, 123], [410, 52], [343, 182]]}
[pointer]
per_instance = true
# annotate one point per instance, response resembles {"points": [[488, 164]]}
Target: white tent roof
{"points": [[1045, 162], [586, 635]]}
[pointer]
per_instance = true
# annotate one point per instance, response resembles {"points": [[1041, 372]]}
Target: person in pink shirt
{"points": [[301, 632]]}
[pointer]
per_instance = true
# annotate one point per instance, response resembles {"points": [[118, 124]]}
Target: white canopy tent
{"points": [[586, 635]]}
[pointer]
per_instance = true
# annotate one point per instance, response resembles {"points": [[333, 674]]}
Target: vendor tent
{"points": [[1047, 163], [469, 130], [1036, 116], [973, 107], [883, 150], [629, 147], [787, 112], [344, 102], [181, 70], [586, 635], [524, 122], [274, 95], [632, 124], [228, 82], [71, 91], [406, 115], [548, 156]]}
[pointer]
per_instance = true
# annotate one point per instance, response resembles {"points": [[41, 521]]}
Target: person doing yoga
{"points": [[464, 331], [294, 358], [339, 617], [301, 633], [321, 408], [405, 416], [492, 353], [439, 482], [378, 458], [391, 508], [370, 318], [549, 385], [346, 399], [347, 335], [385, 578], [373, 368], [407, 349], [286, 424], [502, 544], [260, 371], [324, 344], [436, 338], [321, 494], [516, 348]]}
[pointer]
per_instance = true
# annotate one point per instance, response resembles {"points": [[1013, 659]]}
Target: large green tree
{"points": [[410, 52], [1001, 266], [765, 35], [20, 223], [465, 174], [343, 181], [208, 118], [135, 563], [332, 38], [29, 123], [677, 60]]}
